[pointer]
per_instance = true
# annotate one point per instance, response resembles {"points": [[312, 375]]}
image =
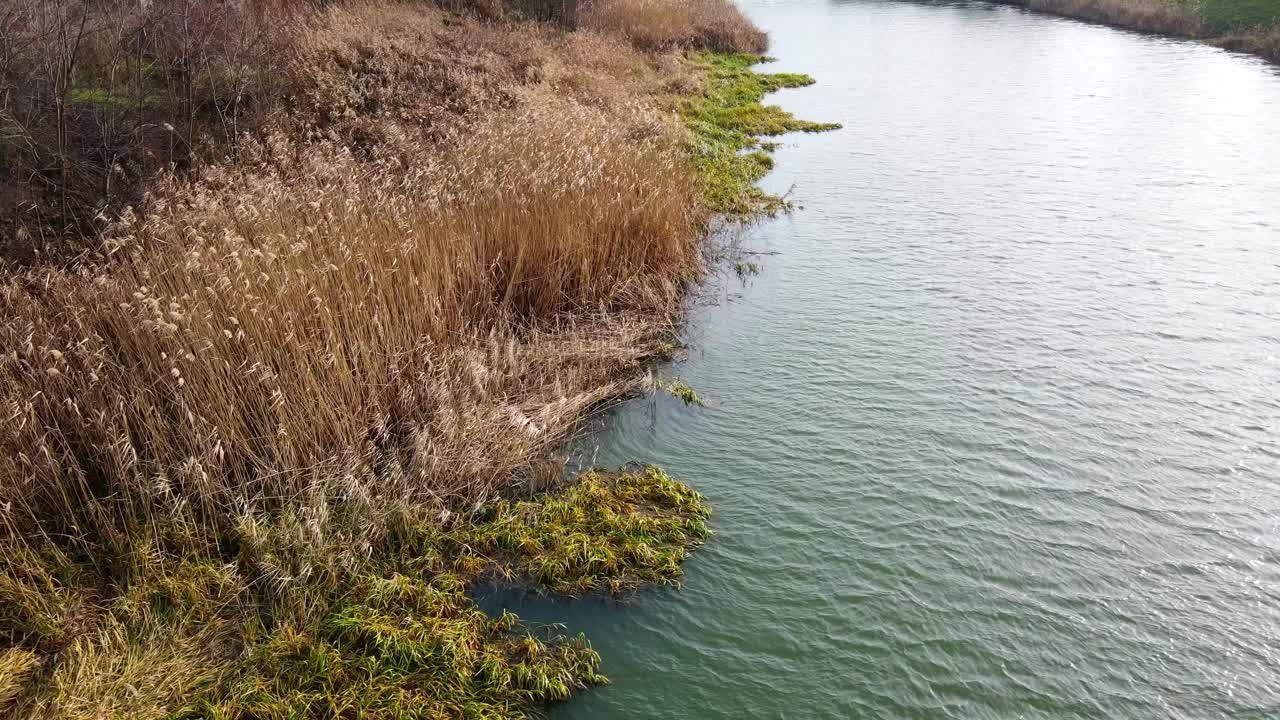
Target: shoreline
{"points": [[1158, 17], [271, 425]]}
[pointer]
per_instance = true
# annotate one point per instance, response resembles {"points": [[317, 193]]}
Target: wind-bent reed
{"points": [[323, 320]]}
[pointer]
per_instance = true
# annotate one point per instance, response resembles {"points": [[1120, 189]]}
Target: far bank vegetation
{"points": [[1246, 25]]}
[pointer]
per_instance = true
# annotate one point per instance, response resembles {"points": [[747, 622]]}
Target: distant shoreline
{"points": [[1223, 23], [301, 302]]}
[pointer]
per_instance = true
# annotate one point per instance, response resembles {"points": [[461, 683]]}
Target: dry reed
{"points": [[438, 244], [662, 25], [1153, 16]]}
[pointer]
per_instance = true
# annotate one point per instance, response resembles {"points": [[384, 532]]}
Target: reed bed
{"points": [[662, 25], [406, 331], [1232, 24], [298, 382], [341, 305], [1153, 16]]}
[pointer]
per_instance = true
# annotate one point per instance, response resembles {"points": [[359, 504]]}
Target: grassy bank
{"points": [[299, 302], [1246, 25], [728, 119]]}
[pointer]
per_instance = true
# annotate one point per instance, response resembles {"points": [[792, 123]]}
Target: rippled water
{"points": [[996, 434]]}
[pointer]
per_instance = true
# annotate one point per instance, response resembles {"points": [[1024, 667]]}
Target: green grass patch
{"points": [[103, 100], [394, 634], [728, 119], [1224, 16], [405, 646], [406, 641], [683, 390]]}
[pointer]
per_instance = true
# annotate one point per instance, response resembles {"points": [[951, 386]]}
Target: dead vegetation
{"points": [[1237, 25], [289, 285], [96, 96], [1259, 41], [1153, 16], [661, 25]]}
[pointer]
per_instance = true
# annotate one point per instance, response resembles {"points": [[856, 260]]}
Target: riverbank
{"points": [[987, 439], [298, 307], [1251, 26]]}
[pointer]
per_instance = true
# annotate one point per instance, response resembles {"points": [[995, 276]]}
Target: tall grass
{"points": [[1153, 16], [662, 25], [391, 258], [1259, 41], [1233, 24], [307, 322]]}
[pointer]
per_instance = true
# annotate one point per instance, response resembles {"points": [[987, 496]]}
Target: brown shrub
{"points": [[487, 9], [1260, 41], [1153, 16], [100, 95], [665, 24], [363, 63]]}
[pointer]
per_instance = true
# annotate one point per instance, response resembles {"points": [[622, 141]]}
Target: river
{"points": [[996, 431]]}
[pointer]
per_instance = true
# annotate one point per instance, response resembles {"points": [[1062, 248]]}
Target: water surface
{"points": [[996, 433]]}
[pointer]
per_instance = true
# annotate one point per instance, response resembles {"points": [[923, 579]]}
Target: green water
{"points": [[996, 432]]}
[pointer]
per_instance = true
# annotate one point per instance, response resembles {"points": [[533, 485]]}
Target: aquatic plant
{"points": [[396, 635], [406, 647], [684, 391], [726, 121], [665, 350], [605, 532]]}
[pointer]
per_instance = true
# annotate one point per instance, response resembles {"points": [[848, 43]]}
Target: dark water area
{"points": [[996, 431]]}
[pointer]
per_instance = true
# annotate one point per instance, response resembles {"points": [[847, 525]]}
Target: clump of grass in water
{"points": [[685, 392], [612, 532], [404, 646], [726, 121]]}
